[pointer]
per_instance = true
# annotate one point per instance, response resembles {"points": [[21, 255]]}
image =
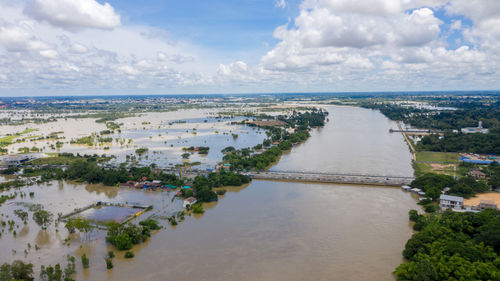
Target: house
{"points": [[478, 175], [189, 201], [450, 202]]}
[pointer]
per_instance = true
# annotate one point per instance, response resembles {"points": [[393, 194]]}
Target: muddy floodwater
{"points": [[165, 134], [267, 230]]}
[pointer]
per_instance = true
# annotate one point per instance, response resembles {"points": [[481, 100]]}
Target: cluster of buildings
{"points": [[155, 184], [478, 158], [143, 184], [457, 204], [19, 159]]}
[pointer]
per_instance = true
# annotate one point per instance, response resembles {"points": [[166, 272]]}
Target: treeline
{"points": [[467, 116], [453, 246], [123, 237], [202, 186], [434, 184], [244, 159], [85, 170], [458, 142], [304, 120]]}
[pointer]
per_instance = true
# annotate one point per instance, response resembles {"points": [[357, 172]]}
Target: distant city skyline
{"points": [[121, 47]]}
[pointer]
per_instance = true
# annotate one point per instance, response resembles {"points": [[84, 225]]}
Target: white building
{"points": [[450, 202], [189, 201], [473, 130]]}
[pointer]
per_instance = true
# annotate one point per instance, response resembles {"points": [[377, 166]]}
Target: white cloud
{"points": [[333, 45], [456, 25], [49, 54], [20, 37], [36, 54], [74, 15], [386, 44], [280, 4]]}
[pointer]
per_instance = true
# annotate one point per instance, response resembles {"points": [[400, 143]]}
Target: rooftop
{"points": [[451, 198]]}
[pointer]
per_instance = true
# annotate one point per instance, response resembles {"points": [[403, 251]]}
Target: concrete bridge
{"points": [[331, 178]]}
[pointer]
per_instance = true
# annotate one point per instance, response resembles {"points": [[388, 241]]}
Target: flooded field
{"points": [[267, 230], [102, 215], [163, 133], [63, 197]]}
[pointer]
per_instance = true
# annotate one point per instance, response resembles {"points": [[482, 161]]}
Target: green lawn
{"points": [[429, 156], [5, 141]]}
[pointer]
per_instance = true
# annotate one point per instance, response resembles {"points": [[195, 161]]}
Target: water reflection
{"points": [[110, 192], [43, 238]]}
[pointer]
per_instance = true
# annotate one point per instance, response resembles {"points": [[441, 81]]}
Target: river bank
{"points": [[274, 230]]}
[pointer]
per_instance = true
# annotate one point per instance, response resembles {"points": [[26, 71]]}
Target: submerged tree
{"points": [[18, 270], [23, 215], [43, 218]]}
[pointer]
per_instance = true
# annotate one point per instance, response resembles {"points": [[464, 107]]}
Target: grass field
{"points": [[430, 156], [438, 162], [7, 140]]}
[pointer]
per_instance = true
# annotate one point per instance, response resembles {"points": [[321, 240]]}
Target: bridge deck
{"points": [[332, 178]]}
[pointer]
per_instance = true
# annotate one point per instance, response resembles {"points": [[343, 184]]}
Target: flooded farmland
{"points": [[267, 230], [165, 134]]}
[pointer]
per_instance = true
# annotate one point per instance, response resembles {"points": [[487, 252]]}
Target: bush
{"points": [[151, 224], [109, 263], [85, 261], [198, 208], [129, 255], [123, 242], [431, 208], [111, 254], [221, 192]]}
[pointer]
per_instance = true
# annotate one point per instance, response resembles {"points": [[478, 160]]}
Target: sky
{"points": [[94, 47]]}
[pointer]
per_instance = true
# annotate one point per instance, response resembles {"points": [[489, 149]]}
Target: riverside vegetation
{"points": [[452, 245]]}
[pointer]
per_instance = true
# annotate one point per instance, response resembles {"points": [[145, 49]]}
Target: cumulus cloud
{"points": [[372, 42], [74, 15], [34, 53], [330, 45], [20, 37]]}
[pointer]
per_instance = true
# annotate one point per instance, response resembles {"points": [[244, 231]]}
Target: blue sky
{"points": [[151, 46], [220, 24]]}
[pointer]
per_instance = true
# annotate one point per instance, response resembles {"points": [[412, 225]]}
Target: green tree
{"points": [[109, 264], [85, 261], [43, 218], [21, 270], [123, 242], [23, 215]]}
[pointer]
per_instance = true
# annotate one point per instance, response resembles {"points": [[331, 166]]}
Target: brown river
{"points": [[268, 230]]}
